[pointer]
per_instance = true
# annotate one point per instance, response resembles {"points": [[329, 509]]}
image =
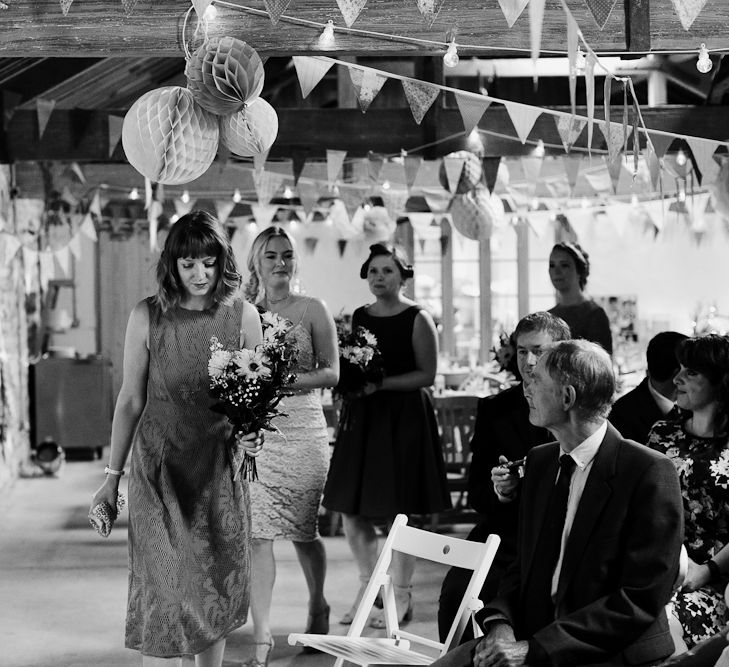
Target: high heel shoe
{"points": [[349, 616], [377, 620], [317, 624], [254, 660]]}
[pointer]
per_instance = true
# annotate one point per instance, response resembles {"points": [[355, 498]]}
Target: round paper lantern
{"points": [[470, 176], [476, 213], [251, 131], [168, 138], [223, 74]]}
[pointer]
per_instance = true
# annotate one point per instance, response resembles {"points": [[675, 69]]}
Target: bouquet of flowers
{"points": [[360, 361], [249, 385]]}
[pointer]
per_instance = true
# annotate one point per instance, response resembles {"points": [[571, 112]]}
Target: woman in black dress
{"points": [[387, 458]]}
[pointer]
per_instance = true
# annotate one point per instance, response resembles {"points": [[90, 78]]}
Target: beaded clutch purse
{"points": [[103, 515]]}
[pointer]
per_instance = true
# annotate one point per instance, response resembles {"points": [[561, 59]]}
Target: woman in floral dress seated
{"points": [[699, 447]]}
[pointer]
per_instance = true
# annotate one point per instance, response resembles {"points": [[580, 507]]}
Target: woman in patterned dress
{"points": [[188, 520], [699, 447], [285, 500]]}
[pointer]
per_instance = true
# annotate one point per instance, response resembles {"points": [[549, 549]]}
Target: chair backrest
{"points": [[456, 419], [445, 549]]}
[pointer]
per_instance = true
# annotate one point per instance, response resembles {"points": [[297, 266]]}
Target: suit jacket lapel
{"points": [[546, 469], [596, 493]]}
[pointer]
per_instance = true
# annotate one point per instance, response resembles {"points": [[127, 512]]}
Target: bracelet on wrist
{"points": [[714, 570], [111, 471]]}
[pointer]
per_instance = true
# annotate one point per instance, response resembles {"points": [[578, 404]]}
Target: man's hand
{"points": [[505, 483], [500, 652]]}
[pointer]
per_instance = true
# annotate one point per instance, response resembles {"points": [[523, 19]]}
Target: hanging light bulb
{"points": [[288, 193], [236, 195], [580, 60], [185, 197], [539, 150], [327, 36], [681, 193], [174, 218], [134, 194], [680, 158], [704, 64], [386, 185], [211, 13], [450, 59], [474, 143]]}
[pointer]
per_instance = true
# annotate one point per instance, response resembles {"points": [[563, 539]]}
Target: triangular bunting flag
{"points": [[374, 166], [572, 47], [600, 10], [421, 223], [512, 9], [572, 164], [335, 160], [420, 97], [88, 229], [10, 102], [267, 184], [65, 6], [429, 10], [308, 194], [411, 164], [367, 83], [129, 6], [590, 62], [201, 6], [490, 166], [342, 245], [95, 205], [224, 207], [310, 71], [453, 169], [63, 257], [614, 138], [350, 10], [310, 243], [263, 213], [523, 118], [703, 152], [44, 109], [569, 130], [114, 129], [687, 11], [183, 207], [259, 161], [395, 200], [614, 165], [10, 245], [709, 206], [74, 245], [536, 18], [439, 201], [298, 160], [275, 8], [661, 142], [76, 169], [472, 109], [352, 195], [532, 165]]}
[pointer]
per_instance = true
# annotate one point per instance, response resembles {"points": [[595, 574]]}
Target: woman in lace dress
{"points": [[189, 522], [698, 445], [285, 499]]}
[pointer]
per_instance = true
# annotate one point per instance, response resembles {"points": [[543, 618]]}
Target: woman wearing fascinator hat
{"points": [[387, 457], [569, 267]]}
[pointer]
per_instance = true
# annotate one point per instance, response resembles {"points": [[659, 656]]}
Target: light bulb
{"points": [[211, 13], [386, 185], [450, 59], [539, 149], [185, 197], [236, 195], [174, 218], [680, 158], [634, 200], [580, 60], [134, 194], [704, 64], [327, 36], [288, 193], [534, 204]]}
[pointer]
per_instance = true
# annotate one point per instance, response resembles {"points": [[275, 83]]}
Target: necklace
{"points": [[271, 301]]}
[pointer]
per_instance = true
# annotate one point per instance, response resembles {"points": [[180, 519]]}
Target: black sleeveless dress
{"points": [[387, 457]]}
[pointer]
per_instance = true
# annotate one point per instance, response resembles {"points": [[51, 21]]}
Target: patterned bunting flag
{"points": [[350, 10], [129, 6], [472, 109], [512, 9], [687, 11], [614, 138], [311, 71], [65, 6], [703, 152], [44, 109], [429, 10], [420, 97], [367, 83], [335, 160], [600, 10], [523, 118], [569, 130], [275, 8]]}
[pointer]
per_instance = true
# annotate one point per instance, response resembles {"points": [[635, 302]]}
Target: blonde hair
{"points": [[254, 290]]}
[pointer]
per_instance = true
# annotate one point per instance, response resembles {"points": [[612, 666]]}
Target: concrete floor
{"points": [[63, 588]]}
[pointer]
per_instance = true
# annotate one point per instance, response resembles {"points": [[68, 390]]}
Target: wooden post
{"points": [[522, 266], [447, 320], [484, 280]]}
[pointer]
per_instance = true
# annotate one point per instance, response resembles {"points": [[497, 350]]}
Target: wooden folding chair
{"points": [[395, 647]]}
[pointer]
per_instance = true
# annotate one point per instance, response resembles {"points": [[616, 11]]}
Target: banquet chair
{"points": [[395, 647]]}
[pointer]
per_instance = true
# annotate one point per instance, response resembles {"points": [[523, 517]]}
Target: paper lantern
{"points": [[223, 74], [168, 138], [377, 225], [251, 131], [476, 213], [470, 176]]}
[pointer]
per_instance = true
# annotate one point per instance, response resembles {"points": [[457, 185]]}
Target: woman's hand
{"points": [[505, 483], [370, 388], [108, 492], [696, 577], [252, 443]]}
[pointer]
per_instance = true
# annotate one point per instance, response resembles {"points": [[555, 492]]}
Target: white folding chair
{"points": [[395, 648]]}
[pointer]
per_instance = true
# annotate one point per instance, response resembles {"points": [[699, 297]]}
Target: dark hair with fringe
{"points": [[388, 250], [580, 257], [555, 326], [196, 234], [661, 355], [709, 355], [588, 368], [255, 255]]}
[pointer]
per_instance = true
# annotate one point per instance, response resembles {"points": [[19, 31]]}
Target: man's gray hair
{"points": [[588, 368]]}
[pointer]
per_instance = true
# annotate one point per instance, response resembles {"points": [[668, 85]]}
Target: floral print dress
{"points": [[703, 469]]}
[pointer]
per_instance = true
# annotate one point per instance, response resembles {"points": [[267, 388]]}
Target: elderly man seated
{"points": [[600, 531]]}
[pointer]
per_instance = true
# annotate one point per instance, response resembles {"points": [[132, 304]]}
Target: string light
{"points": [[174, 218], [211, 13], [539, 150], [386, 185], [704, 64], [450, 59], [185, 197], [288, 193], [134, 194], [236, 195], [580, 60], [327, 36], [680, 158]]}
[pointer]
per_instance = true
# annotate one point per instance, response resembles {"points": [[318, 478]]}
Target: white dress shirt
{"points": [[665, 405]]}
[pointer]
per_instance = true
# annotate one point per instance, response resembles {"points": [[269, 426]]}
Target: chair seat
{"points": [[364, 650]]}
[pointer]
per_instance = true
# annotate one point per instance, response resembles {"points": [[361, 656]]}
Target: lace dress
{"points": [[293, 465], [188, 521], [703, 470]]}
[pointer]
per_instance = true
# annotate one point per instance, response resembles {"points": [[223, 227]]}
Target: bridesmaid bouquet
{"points": [[360, 361], [249, 384]]}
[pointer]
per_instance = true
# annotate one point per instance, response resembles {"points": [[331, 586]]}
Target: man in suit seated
{"points": [[635, 413], [600, 531], [502, 433]]}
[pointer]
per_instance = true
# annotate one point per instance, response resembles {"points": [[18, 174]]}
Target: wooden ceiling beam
{"points": [[100, 28], [83, 135]]}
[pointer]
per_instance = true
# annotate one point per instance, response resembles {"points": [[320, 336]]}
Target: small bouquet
{"points": [[360, 361], [249, 385]]}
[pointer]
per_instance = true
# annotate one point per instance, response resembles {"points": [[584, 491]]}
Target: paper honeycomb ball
{"points": [[251, 131], [168, 138], [223, 74], [476, 213], [470, 176]]}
